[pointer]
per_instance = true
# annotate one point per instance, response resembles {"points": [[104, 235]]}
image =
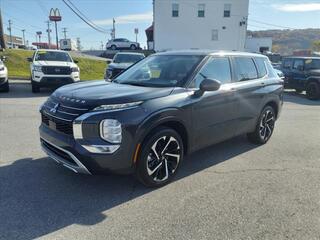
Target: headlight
{"points": [[75, 69], [110, 130], [37, 68], [117, 106]]}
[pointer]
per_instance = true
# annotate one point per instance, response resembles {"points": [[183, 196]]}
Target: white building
{"points": [[258, 45], [206, 24]]}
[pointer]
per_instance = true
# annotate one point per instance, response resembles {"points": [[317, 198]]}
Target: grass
{"points": [[19, 67]]}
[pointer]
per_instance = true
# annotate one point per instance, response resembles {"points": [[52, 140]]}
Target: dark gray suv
{"points": [[166, 106]]}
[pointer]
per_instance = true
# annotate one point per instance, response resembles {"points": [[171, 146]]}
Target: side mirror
{"points": [[75, 61], [209, 85], [3, 58], [29, 59], [109, 61]]}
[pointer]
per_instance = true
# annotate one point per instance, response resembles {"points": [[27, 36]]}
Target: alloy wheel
{"points": [[163, 158], [267, 125]]}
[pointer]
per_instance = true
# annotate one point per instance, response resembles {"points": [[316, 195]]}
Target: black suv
{"points": [[302, 74], [160, 109]]}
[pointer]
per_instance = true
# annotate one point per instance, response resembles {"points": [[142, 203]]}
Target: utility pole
{"points": [[9, 29], [65, 32], [78, 44], [24, 40], [114, 28], [2, 41], [49, 37]]}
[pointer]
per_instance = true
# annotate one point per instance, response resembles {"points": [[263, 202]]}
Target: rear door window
{"points": [[298, 64], [245, 69], [287, 63], [260, 63]]}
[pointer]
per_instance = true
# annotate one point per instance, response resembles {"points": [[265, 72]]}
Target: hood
{"points": [[54, 63], [95, 93], [315, 72], [120, 65]]}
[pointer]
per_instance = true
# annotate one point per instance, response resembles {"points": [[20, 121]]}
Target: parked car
{"points": [[4, 82], [122, 43], [302, 74], [121, 61], [52, 68], [166, 106]]}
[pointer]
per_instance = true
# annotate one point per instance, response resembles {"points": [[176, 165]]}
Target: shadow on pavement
{"points": [[39, 197], [299, 98], [22, 89]]}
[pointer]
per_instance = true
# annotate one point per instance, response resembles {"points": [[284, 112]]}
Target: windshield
{"points": [[52, 56], [160, 71], [127, 58]]}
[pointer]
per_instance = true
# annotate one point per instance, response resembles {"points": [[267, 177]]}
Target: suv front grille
{"points": [[52, 70], [60, 117], [116, 71], [57, 124]]}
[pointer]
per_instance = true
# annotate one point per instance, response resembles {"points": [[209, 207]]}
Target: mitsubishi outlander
{"points": [[159, 110]]}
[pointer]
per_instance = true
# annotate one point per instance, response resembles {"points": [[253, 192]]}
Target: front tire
{"points": [[35, 87], [313, 91], [265, 126], [5, 87], [160, 157], [113, 47]]}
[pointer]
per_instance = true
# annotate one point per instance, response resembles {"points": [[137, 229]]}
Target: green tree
{"points": [[316, 46]]}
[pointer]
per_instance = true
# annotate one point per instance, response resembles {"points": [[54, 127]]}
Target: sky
{"points": [[32, 15]]}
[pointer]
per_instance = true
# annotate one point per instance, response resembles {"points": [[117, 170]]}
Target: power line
{"points": [[83, 19], [270, 24], [84, 16]]}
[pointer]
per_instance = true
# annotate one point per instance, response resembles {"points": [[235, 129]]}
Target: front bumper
{"points": [[42, 79]]}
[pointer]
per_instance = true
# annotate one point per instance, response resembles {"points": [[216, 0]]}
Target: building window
{"points": [[215, 35], [175, 10], [201, 9], [227, 10]]}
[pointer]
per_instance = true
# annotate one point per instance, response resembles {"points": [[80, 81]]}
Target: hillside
{"points": [[18, 66], [285, 41]]}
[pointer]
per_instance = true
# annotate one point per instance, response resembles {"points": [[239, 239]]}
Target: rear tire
{"points": [[35, 87], [313, 91], [133, 47], [264, 127], [160, 158]]}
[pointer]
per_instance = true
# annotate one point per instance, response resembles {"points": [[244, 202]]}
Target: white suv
{"points": [[52, 68], [4, 83], [122, 43]]}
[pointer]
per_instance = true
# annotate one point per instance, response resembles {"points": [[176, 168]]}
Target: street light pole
{"points": [[24, 40], [55, 23], [9, 28]]}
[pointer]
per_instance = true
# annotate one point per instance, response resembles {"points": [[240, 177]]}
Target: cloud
{"points": [[299, 7], [126, 19]]}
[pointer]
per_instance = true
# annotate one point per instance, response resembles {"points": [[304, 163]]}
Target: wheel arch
{"points": [[170, 121]]}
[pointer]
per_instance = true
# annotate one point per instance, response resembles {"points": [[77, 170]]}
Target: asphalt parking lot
{"points": [[233, 190]]}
